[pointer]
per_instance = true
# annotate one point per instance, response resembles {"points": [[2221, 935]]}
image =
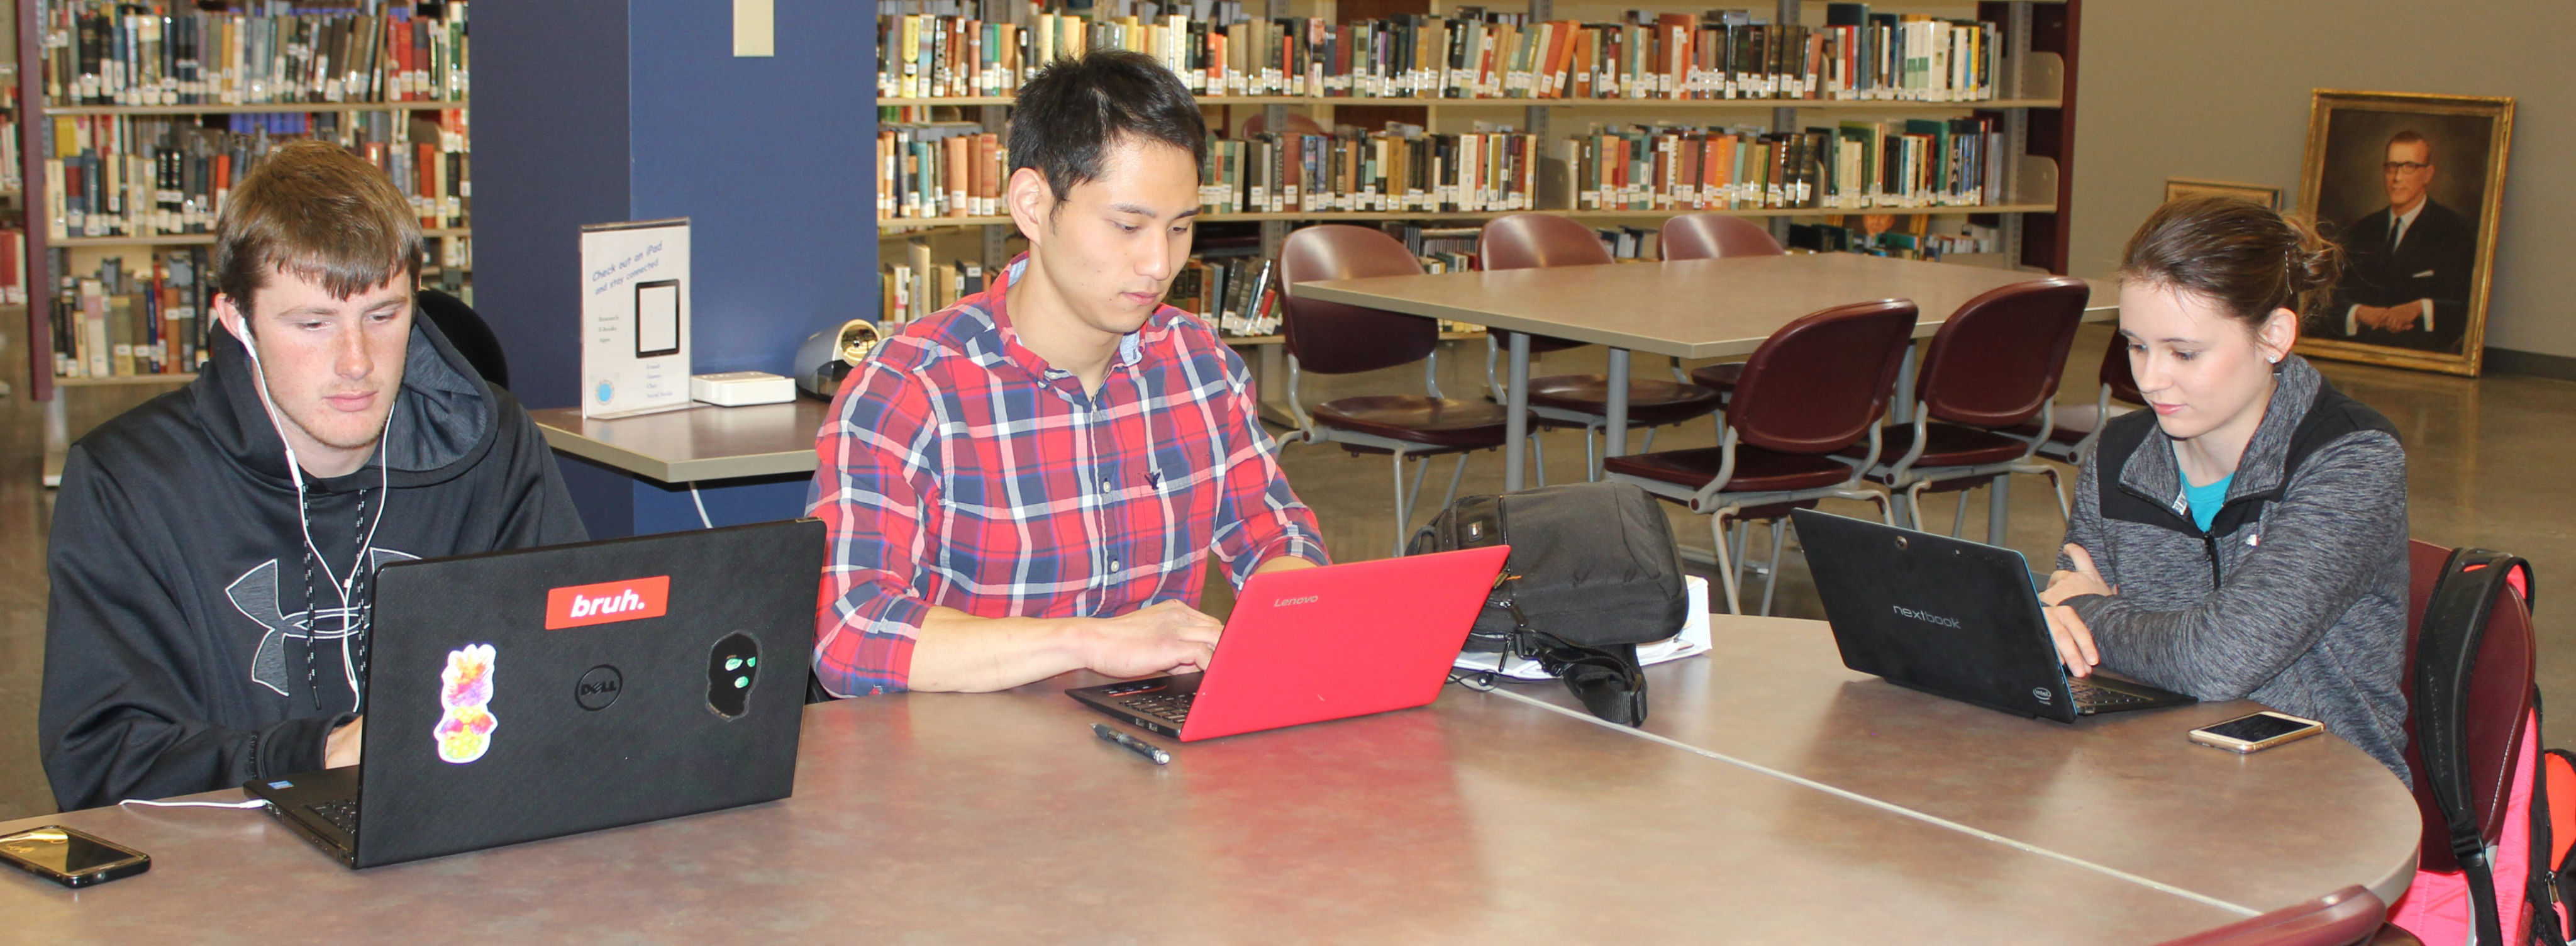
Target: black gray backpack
{"points": [[1593, 573]]}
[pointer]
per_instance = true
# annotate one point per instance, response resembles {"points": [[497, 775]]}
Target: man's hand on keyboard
{"points": [[1155, 639]]}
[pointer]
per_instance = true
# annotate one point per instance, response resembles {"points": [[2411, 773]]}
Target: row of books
{"points": [[1908, 163], [120, 52], [1901, 237], [1236, 293], [148, 176], [1722, 54], [1402, 169], [121, 321], [940, 170], [1901, 163], [903, 294]]}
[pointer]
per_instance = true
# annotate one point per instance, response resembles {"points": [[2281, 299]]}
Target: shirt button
{"points": [[1113, 565]]}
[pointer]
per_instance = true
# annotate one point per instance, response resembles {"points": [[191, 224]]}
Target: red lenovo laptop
{"points": [[1319, 643]]}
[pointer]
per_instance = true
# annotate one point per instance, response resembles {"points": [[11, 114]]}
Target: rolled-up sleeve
{"points": [[1259, 517], [877, 480]]}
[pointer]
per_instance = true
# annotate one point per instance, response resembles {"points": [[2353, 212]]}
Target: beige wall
{"points": [[2219, 89]]}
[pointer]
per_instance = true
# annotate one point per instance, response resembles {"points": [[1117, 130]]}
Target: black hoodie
{"points": [[176, 653]]}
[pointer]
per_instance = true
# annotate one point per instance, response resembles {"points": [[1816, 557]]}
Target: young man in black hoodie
{"points": [[211, 549]]}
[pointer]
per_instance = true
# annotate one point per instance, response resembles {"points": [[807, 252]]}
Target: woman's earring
{"points": [[2275, 359]]}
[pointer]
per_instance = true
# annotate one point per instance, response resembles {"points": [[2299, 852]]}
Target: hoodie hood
{"points": [[444, 417]]}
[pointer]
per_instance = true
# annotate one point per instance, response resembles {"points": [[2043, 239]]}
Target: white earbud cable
{"points": [[366, 544]]}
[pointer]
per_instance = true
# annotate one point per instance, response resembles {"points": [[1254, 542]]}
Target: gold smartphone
{"points": [[2255, 732]]}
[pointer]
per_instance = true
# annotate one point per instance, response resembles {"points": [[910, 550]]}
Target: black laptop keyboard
{"points": [[1173, 708], [2087, 694], [339, 811]]}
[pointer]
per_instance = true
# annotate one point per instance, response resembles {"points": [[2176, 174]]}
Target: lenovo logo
{"points": [[628, 600], [1926, 617], [1286, 602]]}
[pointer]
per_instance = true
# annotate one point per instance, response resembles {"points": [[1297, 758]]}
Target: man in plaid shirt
{"points": [[1030, 481]]}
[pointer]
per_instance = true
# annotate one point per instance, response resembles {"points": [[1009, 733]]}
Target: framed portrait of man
{"points": [[2409, 185]]}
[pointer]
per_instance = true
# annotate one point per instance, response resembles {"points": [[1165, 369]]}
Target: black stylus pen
{"points": [[1151, 752]]}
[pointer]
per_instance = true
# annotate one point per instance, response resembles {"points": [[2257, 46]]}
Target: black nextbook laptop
{"points": [[1952, 618], [514, 696]]}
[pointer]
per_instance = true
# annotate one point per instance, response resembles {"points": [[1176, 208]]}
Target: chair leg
{"points": [[1404, 503], [1591, 464], [1914, 505], [1998, 509], [1959, 517], [1459, 474], [1737, 534], [1725, 565], [1771, 582], [1649, 445], [1538, 457], [2064, 515], [1886, 506]]}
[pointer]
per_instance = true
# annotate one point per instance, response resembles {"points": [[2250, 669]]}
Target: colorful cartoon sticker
{"points": [[464, 731]]}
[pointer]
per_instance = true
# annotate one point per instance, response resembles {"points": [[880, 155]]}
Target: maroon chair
{"points": [[2078, 427], [2500, 696], [1815, 387], [2346, 917], [1711, 236], [1715, 236], [1993, 366], [1536, 240], [1333, 338]]}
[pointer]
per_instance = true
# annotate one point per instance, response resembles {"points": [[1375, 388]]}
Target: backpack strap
{"points": [[2553, 808], [2540, 887], [2446, 655]]}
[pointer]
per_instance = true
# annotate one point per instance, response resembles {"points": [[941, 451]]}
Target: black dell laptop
{"points": [[1952, 618], [515, 696]]}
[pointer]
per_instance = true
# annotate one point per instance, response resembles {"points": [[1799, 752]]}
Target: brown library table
{"points": [[1832, 805], [1687, 309], [692, 444], [2128, 792]]}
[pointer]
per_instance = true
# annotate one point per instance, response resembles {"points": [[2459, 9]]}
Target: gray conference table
{"points": [[1773, 798], [1687, 309]]}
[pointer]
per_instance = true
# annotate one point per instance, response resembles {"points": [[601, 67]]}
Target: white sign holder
{"points": [[634, 317]]}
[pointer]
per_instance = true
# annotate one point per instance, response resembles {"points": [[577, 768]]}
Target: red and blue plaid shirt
{"points": [[960, 470]]}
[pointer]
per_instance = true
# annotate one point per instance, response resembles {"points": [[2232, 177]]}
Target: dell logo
{"points": [[1926, 617], [1285, 602], [598, 688]]}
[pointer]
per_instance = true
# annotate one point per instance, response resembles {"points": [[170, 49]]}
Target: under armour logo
{"points": [[255, 595]]}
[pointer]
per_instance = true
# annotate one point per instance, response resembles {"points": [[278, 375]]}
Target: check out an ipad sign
{"points": [[630, 600]]}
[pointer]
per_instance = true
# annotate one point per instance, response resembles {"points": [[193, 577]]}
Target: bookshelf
{"points": [[135, 118], [2026, 107]]}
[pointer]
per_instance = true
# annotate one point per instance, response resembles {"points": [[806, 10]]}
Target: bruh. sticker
{"points": [[464, 731]]}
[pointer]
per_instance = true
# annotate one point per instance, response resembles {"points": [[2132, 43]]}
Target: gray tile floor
{"points": [[2490, 464]]}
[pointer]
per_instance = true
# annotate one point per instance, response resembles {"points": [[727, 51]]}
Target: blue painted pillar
{"points": [[591, 111]]}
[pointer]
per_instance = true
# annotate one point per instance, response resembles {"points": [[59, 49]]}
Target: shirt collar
{"points": [[1131, 346]]}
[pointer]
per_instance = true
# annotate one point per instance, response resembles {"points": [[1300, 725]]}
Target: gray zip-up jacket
{"points": [[2296, 596]]}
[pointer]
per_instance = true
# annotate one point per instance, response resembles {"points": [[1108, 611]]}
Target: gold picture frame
{"points": [[2411, 186], [2177, 188]]}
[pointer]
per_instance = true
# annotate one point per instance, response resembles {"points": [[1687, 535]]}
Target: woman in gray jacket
{"points": [[2244, 537]]}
